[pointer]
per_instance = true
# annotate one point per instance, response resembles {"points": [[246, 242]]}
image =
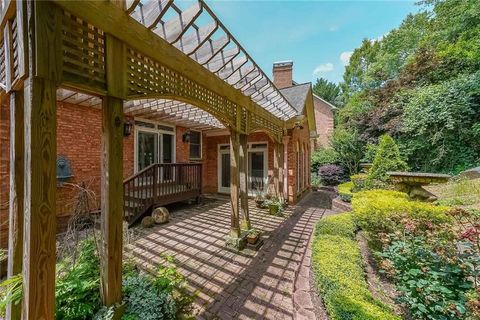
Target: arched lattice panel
{"points": [[259, 123], [148, 78]]}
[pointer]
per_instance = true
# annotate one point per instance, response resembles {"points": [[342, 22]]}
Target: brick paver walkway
{"points": [[232, 285]]}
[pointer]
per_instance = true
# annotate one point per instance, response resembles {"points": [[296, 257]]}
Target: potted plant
{"points": [[253, 236], [275, 206]]}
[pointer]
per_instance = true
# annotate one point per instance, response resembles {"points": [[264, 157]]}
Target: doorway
{"points": [[154, 143]]}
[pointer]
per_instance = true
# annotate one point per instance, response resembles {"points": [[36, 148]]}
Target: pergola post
{"points": [[278, 164], [243, 164], [285, 163], [234, 183], [112, 173], [40, 151], [15, 231]]}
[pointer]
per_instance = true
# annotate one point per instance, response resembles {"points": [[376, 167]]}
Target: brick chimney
{"points": [[282, 74]]}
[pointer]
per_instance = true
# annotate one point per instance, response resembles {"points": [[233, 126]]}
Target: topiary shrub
{"points": [[387, 158], [331, 174], [345, 191], [338, 271]]}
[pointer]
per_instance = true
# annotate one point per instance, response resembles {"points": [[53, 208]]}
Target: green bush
{"points": [[337, 225], [77, 290], [387, 158], [349, 149], [345, 191], [323, 156], [339, 275], [358, 181], [382, 211]]}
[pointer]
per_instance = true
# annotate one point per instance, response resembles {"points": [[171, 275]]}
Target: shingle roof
{"points": [[297, 95]]}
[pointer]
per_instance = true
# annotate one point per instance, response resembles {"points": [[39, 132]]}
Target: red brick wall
{"points": [[282, 75], [298, 143], [324, 119], [4, 171], [182, 148]]}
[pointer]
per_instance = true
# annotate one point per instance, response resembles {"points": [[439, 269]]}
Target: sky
{"points": [[318, 36]]}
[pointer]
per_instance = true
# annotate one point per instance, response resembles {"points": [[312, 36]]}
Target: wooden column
{"points": [[278, 170], [286, 140], [15, 231], [234, 183], [243, 164], [40, 151], [112, 173]]}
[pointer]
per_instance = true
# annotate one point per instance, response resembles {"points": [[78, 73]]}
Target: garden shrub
{"points": [[77, 289], [331, 174], [382, 211], [432, 281], [339, 275], [387, 158], [358, 181], [345, 191], [322, 157]]}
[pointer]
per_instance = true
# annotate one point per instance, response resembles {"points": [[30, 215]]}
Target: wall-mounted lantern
{"points": [[127, 128], [298, 125], [186, 136]]}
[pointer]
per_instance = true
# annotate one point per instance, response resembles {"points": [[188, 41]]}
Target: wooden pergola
{"points": [[125, 57]]}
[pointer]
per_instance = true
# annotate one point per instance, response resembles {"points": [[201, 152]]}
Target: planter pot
{"points": [[253, 239], [260, 203]]}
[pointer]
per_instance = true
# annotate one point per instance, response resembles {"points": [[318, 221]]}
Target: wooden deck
{"points": [[159, 185]]}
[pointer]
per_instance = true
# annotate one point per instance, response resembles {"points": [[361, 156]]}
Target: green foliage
{"points": [[420, 84], [144, 301], [337, 225], [11, 292], [345, 191], [339, 275], [358, 181], [77, 288], [327, 90], [387, 158], [380, 212], [428, 274], [348, 148], [370, 152], [322, 157]]}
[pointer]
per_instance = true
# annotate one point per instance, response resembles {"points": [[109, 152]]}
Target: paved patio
{"points": [[232, 285]]}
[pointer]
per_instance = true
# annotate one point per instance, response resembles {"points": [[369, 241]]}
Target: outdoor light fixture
{"points": [[127, 128], [298, 125], [186, 136]]}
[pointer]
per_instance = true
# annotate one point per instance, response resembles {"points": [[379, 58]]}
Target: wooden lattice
{"points": [[261, 124], [147, 77], [83, 47]]}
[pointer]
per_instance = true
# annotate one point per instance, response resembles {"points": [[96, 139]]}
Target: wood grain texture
{"points": [[243, 164], [15, 231], [22, 42], [116, 66], [8, 45], [40, 195], [112, 200], [234, 183]]}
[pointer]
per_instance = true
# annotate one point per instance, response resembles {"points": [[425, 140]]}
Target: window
{"points": [[195, 145]]}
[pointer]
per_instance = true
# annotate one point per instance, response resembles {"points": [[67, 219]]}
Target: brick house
{"points": [[163, 140], [324, 119]]}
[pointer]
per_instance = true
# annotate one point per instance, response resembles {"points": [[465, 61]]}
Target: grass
{"points": [[339, 275], [458, 192]]}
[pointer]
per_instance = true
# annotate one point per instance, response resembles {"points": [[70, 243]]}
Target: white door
{"points": [[224, 169]]}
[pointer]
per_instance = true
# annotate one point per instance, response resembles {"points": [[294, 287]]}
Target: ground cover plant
{"points": [[338, 272], [163, 295], [431, 252]]}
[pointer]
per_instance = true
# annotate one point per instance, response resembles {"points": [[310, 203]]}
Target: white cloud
{"points": [[323, 68], [333, 28], [345, 57]]}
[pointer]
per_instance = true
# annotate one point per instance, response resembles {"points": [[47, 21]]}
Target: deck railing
{"points": [[158, 185]]}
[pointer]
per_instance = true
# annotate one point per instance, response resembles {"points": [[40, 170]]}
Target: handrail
{"points": [[160, 184]]}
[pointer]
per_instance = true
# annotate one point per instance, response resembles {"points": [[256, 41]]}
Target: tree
{"points": [[327, 90], [387, 158]]}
